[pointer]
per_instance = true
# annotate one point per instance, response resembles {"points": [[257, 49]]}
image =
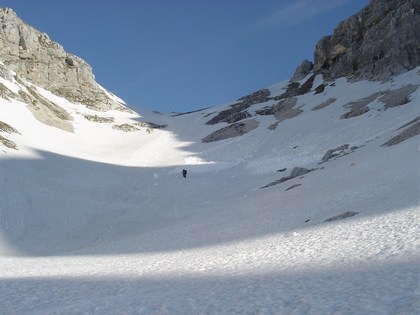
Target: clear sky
{"points": [[183, 55]]}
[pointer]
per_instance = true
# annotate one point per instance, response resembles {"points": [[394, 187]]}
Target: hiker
{"points": [[184, 173]]}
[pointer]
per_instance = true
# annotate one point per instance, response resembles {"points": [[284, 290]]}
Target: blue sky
{"points": [[182, 55]]}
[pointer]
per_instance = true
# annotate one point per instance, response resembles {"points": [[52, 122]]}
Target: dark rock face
{"points": [[237, 111], [380, 41], [295, 89]]}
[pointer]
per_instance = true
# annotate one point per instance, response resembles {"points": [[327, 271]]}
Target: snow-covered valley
{"points": [[100, 220]]}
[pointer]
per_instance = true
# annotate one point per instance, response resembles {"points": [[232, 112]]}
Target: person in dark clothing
{"points": [[184, 173]]}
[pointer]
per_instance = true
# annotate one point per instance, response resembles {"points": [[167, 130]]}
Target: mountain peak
{"points": [[37, 59]]}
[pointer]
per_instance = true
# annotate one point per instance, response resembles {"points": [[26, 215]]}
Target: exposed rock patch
{"points": [[399, 96], [295, 89], [296, 172], [293, 186], [327, 103], [147, 124], [282, 110], [320, 89], [7, 128], [408, 133], [359, 107], [190, 112], [338, 152], [125, 128], [257, 97], [285, 109], [8, 143], [99, 119], [237, 111], [410, 123], [6, 94], [344, 215], [46, 111], [233, 130]]}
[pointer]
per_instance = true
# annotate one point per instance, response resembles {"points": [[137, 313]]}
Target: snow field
{"points": [[106, 224], [343, 268]]}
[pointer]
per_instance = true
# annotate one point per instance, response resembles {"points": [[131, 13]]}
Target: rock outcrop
{"points": [[34, 57], [380, 41], [302, 71], [231, 131]]}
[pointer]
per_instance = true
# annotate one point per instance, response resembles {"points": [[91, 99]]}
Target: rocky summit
{"points": [[34, 57]]}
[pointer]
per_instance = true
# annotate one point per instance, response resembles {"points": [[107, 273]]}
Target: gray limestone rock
{"points": [[37, 59], [302, 71], [296, 172], [125, 128], [407, 133], [8, 143], [327, 103], [7, 128], [233, 130], [99, 119], [337, 152], [237, 111], [359, 107], [399, 96], [380, 41]]}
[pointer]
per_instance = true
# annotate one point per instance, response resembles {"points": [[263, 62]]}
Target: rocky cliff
{"points": [[36, 58], [380, 41]]}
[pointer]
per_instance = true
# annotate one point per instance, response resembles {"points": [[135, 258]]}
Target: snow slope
{"points": [[101, 221]]}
